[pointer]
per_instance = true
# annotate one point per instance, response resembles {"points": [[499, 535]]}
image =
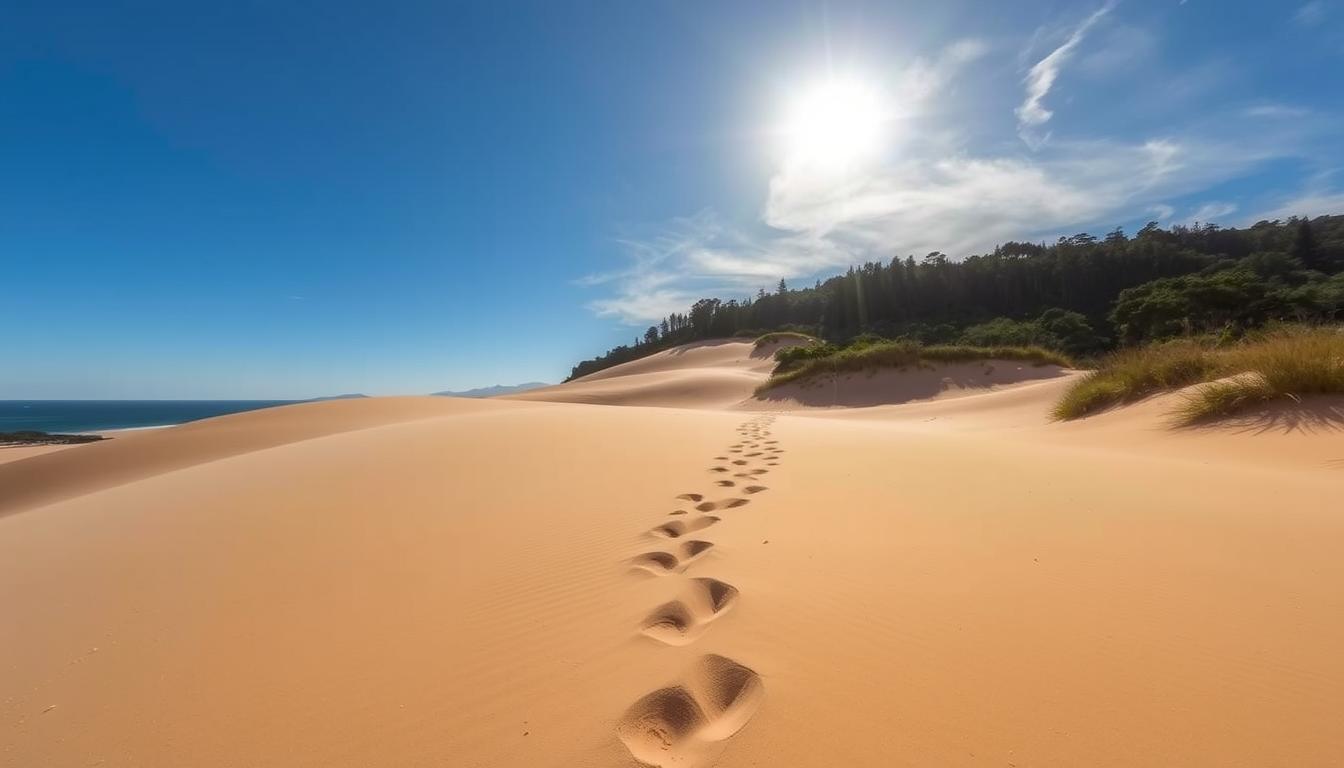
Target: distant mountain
{"points": [[498, 389], [352, 396]]}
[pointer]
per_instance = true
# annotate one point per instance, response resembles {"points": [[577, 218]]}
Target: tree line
{"points": [[1081, 295]]}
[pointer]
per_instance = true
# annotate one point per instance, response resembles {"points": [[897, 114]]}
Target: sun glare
{"points": [[835, 123]]}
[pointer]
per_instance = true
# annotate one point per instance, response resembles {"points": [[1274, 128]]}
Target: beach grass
{"points": [[1285, 363]]}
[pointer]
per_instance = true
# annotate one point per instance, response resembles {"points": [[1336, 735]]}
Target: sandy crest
{"points": [[431, 581], [10, 453]]}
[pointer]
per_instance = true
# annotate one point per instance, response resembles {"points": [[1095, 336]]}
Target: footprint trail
{"points": [[688, 722]]}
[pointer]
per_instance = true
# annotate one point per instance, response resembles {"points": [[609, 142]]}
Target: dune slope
{"points": [[727, 373], [448, 582]]}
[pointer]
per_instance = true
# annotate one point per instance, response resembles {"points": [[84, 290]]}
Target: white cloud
{"points": [[965, 204], [1210, 213], [1041, 78], [1310, 204], [1162, 211]]}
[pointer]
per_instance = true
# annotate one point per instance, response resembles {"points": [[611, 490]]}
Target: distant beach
{"points": [[106, 415]]}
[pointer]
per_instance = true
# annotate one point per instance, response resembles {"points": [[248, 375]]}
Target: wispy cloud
{"points": [[1310, 204], [966, 204], [960, 205], [1033, 114], [1211, 213], [1162, 211], [1275, 111], [663, 276], [1311, 14]]}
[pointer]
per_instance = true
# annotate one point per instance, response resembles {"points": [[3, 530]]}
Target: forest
{"points": [[1082, 295]]}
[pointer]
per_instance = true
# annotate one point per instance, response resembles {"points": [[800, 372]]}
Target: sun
{"points": [[835, 123]]}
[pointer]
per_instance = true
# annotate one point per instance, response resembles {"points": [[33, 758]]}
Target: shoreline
{"points": [[112, 432]]}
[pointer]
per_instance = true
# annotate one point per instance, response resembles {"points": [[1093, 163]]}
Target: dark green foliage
{"points": [[790, 358], [30, 437], [777, 336], [1236, 295], [1068, 296], [1057, 329]]}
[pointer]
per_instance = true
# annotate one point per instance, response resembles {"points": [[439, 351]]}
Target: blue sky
{"points": [[276, 199]]}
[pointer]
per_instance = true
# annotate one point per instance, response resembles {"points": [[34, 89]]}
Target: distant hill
{"points": [[352, 396], [498, 389]]}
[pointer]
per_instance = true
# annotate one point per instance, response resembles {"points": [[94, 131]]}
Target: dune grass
{"points": [[1282, 365], [1287, 363], [1132, 374], [778, 336], [802, 363]]}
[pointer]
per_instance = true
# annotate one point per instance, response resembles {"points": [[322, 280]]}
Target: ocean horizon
{"points": [[98, 415]]}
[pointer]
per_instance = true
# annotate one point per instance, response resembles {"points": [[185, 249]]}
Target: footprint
{"points": [[678, 528], [740, 462], [753, 454], [687, 724], [662, 563], [677, 512], [724, 483], [685, 619], [690, 496], [718, 469], [655, 562], [720, 458], [755, 489], [710, 506]]}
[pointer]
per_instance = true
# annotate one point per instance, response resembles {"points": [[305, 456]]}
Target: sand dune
{"points": [[726, 374], [10, 453], [432, 581], [134, 454]]}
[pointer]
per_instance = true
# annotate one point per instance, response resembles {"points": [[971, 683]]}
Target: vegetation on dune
{"points": [[32, 437], [872, 353], [1282, 365], [774, 337], [1132, 374], [1285, 363], [1082, 296]]}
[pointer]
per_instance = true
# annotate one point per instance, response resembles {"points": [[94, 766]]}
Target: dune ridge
{"points": [[532, 582]]}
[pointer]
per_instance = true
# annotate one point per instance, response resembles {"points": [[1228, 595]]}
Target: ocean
{"points": [[97, 415]]}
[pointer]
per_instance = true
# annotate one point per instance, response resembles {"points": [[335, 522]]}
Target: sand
{"points": [[10, 453], [516, 582]]}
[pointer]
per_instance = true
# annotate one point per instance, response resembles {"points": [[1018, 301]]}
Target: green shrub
{"points": [[778, 336], [801, 363]]}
